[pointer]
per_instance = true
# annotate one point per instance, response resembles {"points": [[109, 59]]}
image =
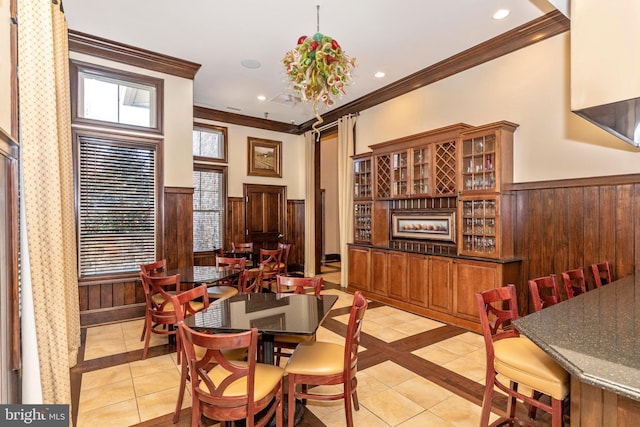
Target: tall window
{"points": [[118, 176], [210, 187], [209, 199], [117, 185]]}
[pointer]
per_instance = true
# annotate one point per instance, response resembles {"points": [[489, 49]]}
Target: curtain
{"points": [[48, 195], [309, 205], [346, 149]]}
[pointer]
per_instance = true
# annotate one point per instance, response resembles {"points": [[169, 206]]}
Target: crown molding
{"points": [[546, 26], [114, 51], [242, 120]]}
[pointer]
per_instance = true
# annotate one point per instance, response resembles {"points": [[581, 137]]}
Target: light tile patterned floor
{"points": [[389, 394]]}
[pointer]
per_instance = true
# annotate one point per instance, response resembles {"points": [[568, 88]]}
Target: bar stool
{"points": [[602, 273], [544, 292], [517, 359], [574, 282]]}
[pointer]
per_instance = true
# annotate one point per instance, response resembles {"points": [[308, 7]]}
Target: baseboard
{"points": [[331, 257], [103, 316]]}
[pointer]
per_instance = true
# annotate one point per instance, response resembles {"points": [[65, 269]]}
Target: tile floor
{"points": [[414, 371]]}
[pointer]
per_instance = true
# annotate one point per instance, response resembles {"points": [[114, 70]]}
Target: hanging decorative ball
{"points": [[318, 70]]}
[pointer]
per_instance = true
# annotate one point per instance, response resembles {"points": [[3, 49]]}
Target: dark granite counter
{"points": [[594, 336]]}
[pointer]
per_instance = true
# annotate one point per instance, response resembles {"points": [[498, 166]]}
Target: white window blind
{"points": [[117, 204], [208, 209]]}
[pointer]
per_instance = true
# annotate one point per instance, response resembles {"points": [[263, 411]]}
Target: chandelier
{"points": [[318, 69]]}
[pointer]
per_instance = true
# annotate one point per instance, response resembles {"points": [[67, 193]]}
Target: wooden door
{"points": [[397, 275], [265, 214], [440, 284], [417, 278]]}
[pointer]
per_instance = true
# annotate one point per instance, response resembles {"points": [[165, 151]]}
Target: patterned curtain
{"points": [[47, 192], [346, 145], [309, 206]]}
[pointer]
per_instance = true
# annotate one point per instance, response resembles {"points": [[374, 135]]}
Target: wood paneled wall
{"points": [[295, 233], [235, 221], [178, 227], [561, 225]]}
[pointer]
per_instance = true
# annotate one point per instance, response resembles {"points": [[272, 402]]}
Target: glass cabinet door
{"points": [[362, 179], [479, 223], [479, 163], [400, 173], [420, 171]]}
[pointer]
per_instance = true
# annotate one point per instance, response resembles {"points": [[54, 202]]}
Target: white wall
{"points": [[5, 66], [329, 182], [292, 166], [529, 87], [177, 123]]}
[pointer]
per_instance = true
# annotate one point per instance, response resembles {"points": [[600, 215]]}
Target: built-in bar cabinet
{"points": [[432, 222]]}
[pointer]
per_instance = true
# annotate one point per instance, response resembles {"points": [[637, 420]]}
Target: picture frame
{"points": [[265, 157], [424, 225]]}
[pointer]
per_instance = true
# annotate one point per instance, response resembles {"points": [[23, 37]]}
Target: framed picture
{"points": [[265, 157]]}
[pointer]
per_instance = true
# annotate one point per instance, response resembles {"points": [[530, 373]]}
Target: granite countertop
{"points": [[594, 336]]}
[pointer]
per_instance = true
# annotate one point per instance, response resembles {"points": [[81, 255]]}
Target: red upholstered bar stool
{"points": [[574, 282], [544, 292], [602, 273], [517, 359]]}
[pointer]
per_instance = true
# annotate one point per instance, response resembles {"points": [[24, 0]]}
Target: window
{"points": [[102, 96], [118, 184], [209, 206], [209, 142]]}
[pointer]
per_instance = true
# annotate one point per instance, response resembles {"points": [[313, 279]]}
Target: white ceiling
{"points": [[398, 37]]}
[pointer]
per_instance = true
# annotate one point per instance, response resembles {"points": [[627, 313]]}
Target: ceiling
{"points": [[397, 37]]}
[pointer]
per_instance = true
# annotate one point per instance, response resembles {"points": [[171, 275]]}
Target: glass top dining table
{"points": [[272, 314], [199, 274]]}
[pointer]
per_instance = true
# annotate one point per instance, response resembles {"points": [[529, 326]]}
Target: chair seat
{"points": [[159, 298], [235, 354], [195, 305], [217, 292], [522, 361], [267, 377], [316, 358]]}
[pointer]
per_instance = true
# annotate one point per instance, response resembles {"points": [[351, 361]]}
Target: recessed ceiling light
{"points": [[501, 14], [250, 63], [261, 97], [379, 75]]}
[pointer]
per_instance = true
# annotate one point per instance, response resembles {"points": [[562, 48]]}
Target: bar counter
{"points": [[596, 338]]}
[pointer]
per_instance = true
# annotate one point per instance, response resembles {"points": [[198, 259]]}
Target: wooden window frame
{"points": [[75, 67], [132, 141], [225, 143]]}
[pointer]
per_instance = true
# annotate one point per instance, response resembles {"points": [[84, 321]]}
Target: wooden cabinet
{"points": [[362, 224], [359, 265], [485, 210], [486, 226], [441, 284], [421, 165], [379, 268], [477, 276], [418, 279], [362, 177], [486, 158], [397, 275]]}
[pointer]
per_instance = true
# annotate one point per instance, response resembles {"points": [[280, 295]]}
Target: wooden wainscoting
{"points": [[235, 221], [561, 225], [295, 234], [178, 227], [110, 301]]}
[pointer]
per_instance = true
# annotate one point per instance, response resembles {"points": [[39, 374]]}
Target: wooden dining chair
{"points": [[229, 390], [544, 292], [283, 267], [231, 263], [245, 248], [157, 268], [574, 283], [250, 280], [160, 318], [269, 260], [324, 363], [602, 273], [296, 285], [514, 360]]}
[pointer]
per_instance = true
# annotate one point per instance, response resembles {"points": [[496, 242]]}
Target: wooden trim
{"points": [[547, 26], [119, 52], [241, 120], [575, 182], [112, 314], [178, 190]]}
